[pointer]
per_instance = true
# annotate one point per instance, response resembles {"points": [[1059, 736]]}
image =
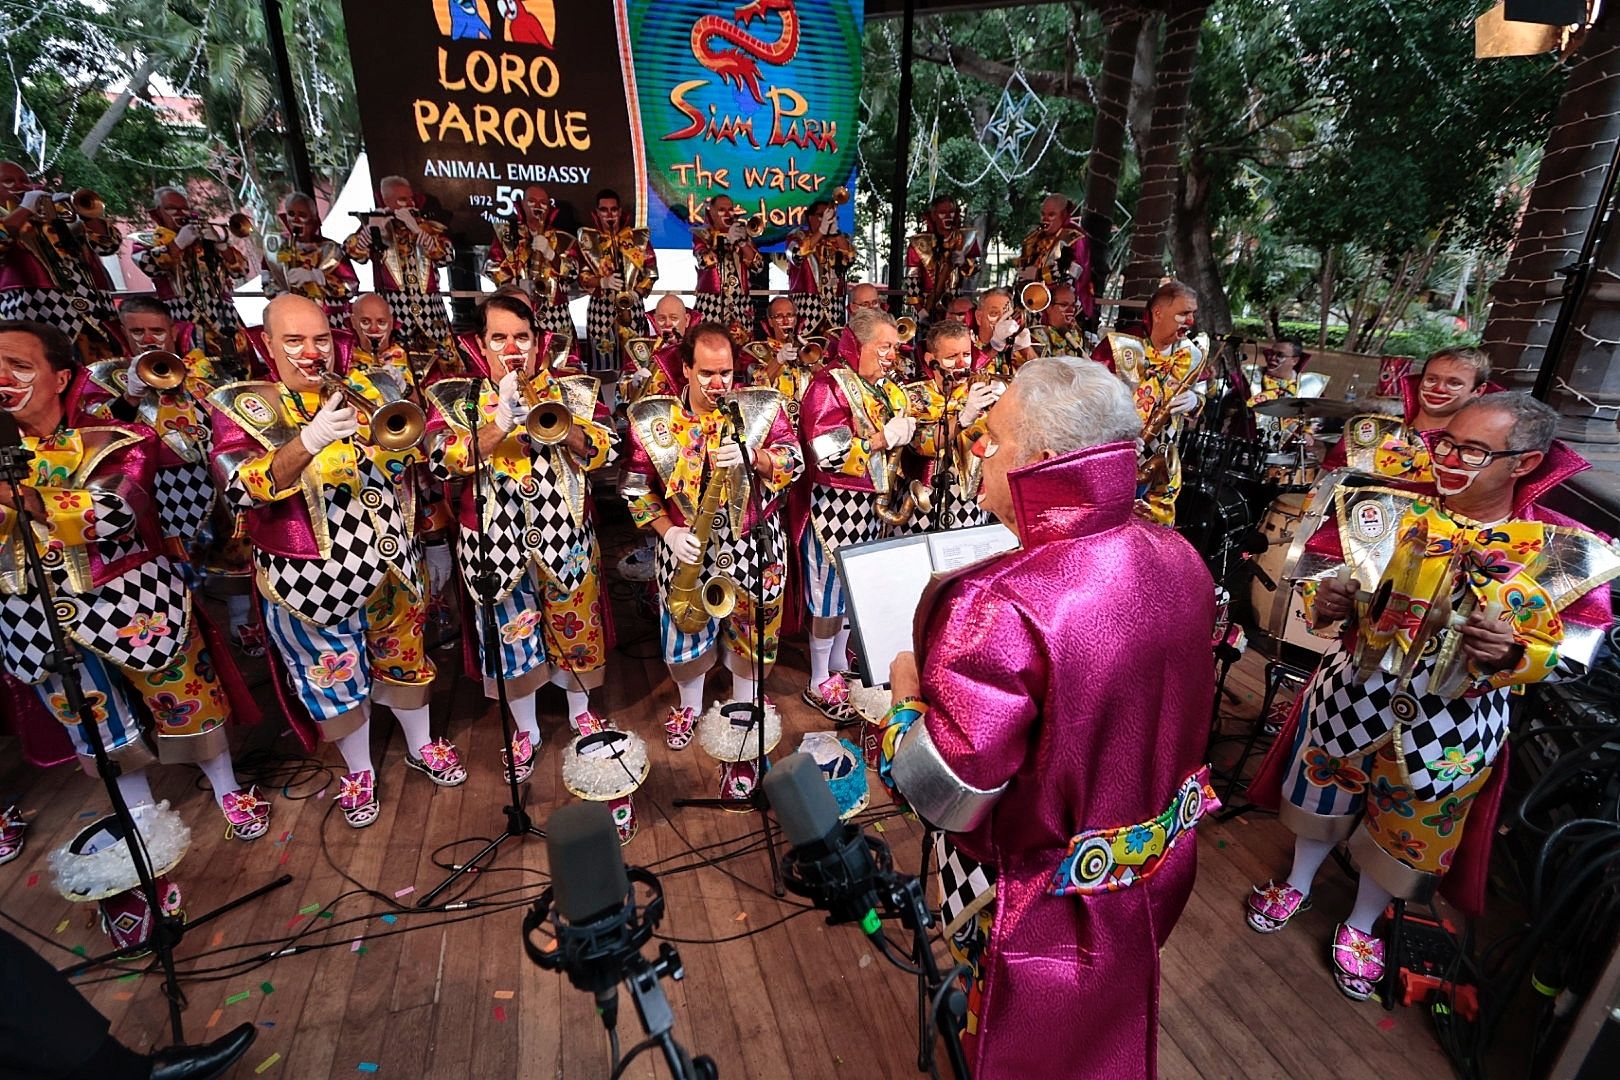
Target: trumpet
{"points": [[240, 225], [840, 195], [160, 369], [904, 499], [549, 420], [394, 426], [812, 351], [757, 224], [1035, 297], [88, 205], [627, 307], [906, 327]]}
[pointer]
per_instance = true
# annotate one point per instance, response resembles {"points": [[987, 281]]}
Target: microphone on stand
{"points": [[831, 863]]}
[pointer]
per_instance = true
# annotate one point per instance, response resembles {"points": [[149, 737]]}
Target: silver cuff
{"points": [[832, 447], [633, 485], [1580, 643], [932, 787]]}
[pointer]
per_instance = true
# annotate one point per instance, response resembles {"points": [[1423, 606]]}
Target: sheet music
{"points": [[958, 547]]}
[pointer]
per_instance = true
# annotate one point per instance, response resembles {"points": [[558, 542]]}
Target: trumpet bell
{"points": [[397, 425], [812, 353], [87, 204], [757, 224], [627, 307], [1035, 297], [840, 195], [549, 423], [906, 327], [922, 497], [240, 225], [159, 369]]}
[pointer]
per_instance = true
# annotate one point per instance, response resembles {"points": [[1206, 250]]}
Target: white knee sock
{"points": [[579, 698], [820, 653], [1308, 858], [221, 773], [742, 687], [238, 609], [414, 723], [356, 747], [839, 660], [692, 694], [1371, 899], [136, 789], [523, 716]]}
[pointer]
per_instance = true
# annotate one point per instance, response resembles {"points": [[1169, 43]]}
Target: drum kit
{"points": [[1245, 502]]}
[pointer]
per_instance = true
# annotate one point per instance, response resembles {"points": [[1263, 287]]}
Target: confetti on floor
{"points": [[61, 927], [368, 1066], [214, 1019], [217, 940], [1386, 1024], [33, 879], [267, 1062], [356, 946], [242, 996], [505, 995], [406, 891], [131, 977], [267, 987], [391, 919], [309, 909], [123, 995], [500, 1013], [741, 915]]}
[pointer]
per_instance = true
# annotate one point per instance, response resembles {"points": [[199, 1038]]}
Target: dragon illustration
{"points": [[740, 66]]}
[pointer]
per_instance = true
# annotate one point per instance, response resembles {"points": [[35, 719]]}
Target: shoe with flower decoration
{"points": [[1270, 906], [247, 816], [357, 798], [439, 762], [831, 699], [518, 759], [679, 727], [588, 723], [1358, 961], [11, 834]]}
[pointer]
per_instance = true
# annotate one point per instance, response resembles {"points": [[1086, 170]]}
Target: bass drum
{"points": [[1214, 520], [1279, 526]]}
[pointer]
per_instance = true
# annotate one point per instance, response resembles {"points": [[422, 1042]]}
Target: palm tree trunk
{"points": [[90, 145], [1327, 296], [1161, 161], [1194, 247], [1113, 90]]}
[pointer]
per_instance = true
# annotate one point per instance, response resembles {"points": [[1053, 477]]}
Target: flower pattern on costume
{"points": [[172, 712], [1325, 770], [144, 629], [1410, 846], [1447, 817], [1392, 799], [1455, 763], [520, 628], [94, 699], [332, 669]]}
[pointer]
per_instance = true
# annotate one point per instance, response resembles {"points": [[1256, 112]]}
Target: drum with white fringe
{"points": [[607, 766], [728, 733]]}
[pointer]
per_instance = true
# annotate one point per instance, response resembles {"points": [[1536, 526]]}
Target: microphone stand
{"points": [[902, 895], [754, 710], [658, 1019], [518, 822], [62, 660]]}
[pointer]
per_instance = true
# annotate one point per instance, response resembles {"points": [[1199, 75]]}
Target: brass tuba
{"points": [[394, 425], [691, 601]]}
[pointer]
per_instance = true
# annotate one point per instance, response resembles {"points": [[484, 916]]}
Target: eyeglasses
{"points": [[1472, 456]]}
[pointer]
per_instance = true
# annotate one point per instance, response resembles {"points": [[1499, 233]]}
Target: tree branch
{"points": [[970, 62]]}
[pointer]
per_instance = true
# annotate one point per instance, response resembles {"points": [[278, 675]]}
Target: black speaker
{"points": [[1546, 12]]}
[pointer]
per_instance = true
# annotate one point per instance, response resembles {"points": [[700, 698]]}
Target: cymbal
{"points": [[1294, 407]]}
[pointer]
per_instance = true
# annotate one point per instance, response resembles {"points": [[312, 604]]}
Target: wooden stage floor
{"points": [[770, 990]]}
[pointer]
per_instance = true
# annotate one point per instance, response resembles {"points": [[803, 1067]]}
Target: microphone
{"points": [[587, 866], [831, 863]]}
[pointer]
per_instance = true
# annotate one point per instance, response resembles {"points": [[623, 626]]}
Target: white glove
{"points": [[1185, 402], [511, 410], [829, 224], [1022, 340], [728, 455], [186, 236], [362, 239], [409, 219], [134, 385], [612, 283], [898, 431], [298, 275], [682, 544], [981, 397], [1004, 330], [335, 421], [787, 354], [738, 233], [543, 246]]}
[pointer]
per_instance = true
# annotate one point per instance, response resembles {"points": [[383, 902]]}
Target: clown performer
{"points": [[1393, 745], [652, 365], [819, 258], [683, 457], [330, 515], [1075, 799], [1057, 334], [529, 251], [309, 264], [406, 252], [854, 422], [535, 521], [941, 261], [1161, 369], [618, 267], [131, 615], [1397, 447], [950, 419], [50, 263], [194, 268], [1000, 343], [725, 255], [1055, 253], [776, 358]]}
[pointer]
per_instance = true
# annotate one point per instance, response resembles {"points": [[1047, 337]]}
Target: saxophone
{"points": [[692, 602], [905, 498]]}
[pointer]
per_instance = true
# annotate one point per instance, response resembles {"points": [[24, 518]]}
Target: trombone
{"points": [[395, 425]]}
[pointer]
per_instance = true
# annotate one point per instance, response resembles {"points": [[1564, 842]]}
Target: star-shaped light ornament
{"points": [[1019, 117]]}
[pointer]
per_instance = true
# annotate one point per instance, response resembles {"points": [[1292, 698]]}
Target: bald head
{"points": [[864, 295], [299, 340], [372, 320], [670, 316]]}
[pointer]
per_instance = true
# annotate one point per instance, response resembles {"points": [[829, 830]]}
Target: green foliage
{"points": [[1424, 337]]}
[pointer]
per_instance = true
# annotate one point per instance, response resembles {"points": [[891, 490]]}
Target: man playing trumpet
{"points": [[328, 496], [819, 258], [954, 400], [309, 264], [941, 261], [50, 266], [406, 251], [1055, 253], [854, 422], [529, 252], [194, 268], [539, 436], [1057, 333], [726, 255], [712, 500], [617, 266]]}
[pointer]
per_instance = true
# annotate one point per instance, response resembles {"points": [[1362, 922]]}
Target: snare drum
{"points": [[1294, 472]]}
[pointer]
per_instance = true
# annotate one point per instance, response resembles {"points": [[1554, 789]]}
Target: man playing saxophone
{"points": [[951, 404], [711, 498]]}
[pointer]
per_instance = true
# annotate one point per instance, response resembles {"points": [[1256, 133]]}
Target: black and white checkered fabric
{"points": [[731, 556], [67, 310], [424, 321], [724, 308], [369, 537], [601, 328], [841, 516], [961, 510], [530, 521], [1347, 720], [185, 498], [554, 318], [965, 886], [207, 308], [813, 309], [103, 620]]}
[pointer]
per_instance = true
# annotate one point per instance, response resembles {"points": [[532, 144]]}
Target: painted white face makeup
{"points": [[311, 366], [16, 398], [1450, 482]]}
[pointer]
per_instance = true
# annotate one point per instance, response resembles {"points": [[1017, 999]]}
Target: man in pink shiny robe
{"points": [[1057, 730]]}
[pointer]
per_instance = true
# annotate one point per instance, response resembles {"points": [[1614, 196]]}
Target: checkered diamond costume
{"points": [[730, 556], [66, 309], [530, 522], [419, 319], [184, 495], [601, 328], [841, 516], [727, 309], [813, 309], [965, 886], [554, 318]]}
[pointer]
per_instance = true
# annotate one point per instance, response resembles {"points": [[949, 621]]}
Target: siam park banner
{"points": [[668, 102]]}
